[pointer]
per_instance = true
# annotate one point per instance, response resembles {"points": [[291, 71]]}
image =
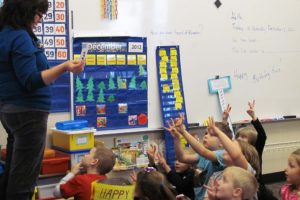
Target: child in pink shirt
{"points": [[291, 191]]}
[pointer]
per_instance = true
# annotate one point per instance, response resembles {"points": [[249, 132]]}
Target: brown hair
{"points": [[153, 185], [243, 179], [19, 14], [248, 132], [251, 155], [106, 159], [224, 128]]}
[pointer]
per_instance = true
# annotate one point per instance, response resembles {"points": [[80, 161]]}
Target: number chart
{"points": [[111, 93], [54, 35]]}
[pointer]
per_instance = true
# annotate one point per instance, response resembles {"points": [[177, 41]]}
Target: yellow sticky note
{"points": [[121, 59], [101, 59], [179, 100], [173, 64], [177, 94], [163, 77], [178, 106], [163, 70], [76, 56], [90, 59], [183, 141], [173, 52], [176, 86], [173, 58], [142, 59], [165, 58], [162, 64], [131, 59], [175, 81], [111, 59], [166, 88], [162, 52], [175, 70], [174, 76], [205, 122]]}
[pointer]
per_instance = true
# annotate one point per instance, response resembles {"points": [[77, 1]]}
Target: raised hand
{"points": [[76, 168], [151, 153], [133, 176], [162, 161], [211, 128], [172, 129], [211, 190], [251, 110], [226, 114], [75, 66], [179, 123]]}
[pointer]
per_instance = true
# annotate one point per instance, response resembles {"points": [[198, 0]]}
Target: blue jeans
{"points": [[25, 147]]}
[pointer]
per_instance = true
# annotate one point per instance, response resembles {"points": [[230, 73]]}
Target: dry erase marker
{"points": [[84, 51]]}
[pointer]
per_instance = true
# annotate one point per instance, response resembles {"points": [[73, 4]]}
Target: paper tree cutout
{"points": [[142, 71], [111, 98], [119, 82], [143, 85], [79, 88], [132, 84], [90, 88], [101, 85], [111, 84], [101, 98]]}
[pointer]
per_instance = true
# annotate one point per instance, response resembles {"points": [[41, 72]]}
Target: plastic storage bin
{"points": [[71, 124], [59, 164], [76, 157], [45, 192], [73, 141]]}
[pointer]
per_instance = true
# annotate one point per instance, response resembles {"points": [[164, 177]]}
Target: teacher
{"points": [[25, 94]]}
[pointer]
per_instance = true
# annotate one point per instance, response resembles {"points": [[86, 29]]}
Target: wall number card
{"points": [[53, 32], [135, 47]]}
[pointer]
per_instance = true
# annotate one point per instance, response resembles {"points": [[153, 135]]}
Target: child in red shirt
{"points": [[98, 162]]}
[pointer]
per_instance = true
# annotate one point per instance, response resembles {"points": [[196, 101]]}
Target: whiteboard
{"points": [[256, 43]]}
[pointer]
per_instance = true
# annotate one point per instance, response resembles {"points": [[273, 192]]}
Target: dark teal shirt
{"points": [[21, 63]]}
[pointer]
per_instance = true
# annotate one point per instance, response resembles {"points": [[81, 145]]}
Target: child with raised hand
{"points": [[96, 164], [153, 185], [183, 175], [291, 191], [257, 138], [238, 153], [236, 184], [209, 157]]}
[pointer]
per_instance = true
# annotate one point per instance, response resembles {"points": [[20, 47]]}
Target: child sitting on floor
{"points": [[96, 164], [236, 184], [153, 185], [209, 154], [291, 191], [182, 177]]}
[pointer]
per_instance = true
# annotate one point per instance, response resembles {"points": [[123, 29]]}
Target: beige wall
{"points": [[283, 138]]}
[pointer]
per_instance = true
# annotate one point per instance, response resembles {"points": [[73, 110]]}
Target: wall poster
{"points": [[111, 93]]}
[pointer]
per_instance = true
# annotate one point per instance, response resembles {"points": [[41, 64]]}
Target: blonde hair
{"points": [[248, 132], [296, 155], [251, 155], [243, 179]]}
